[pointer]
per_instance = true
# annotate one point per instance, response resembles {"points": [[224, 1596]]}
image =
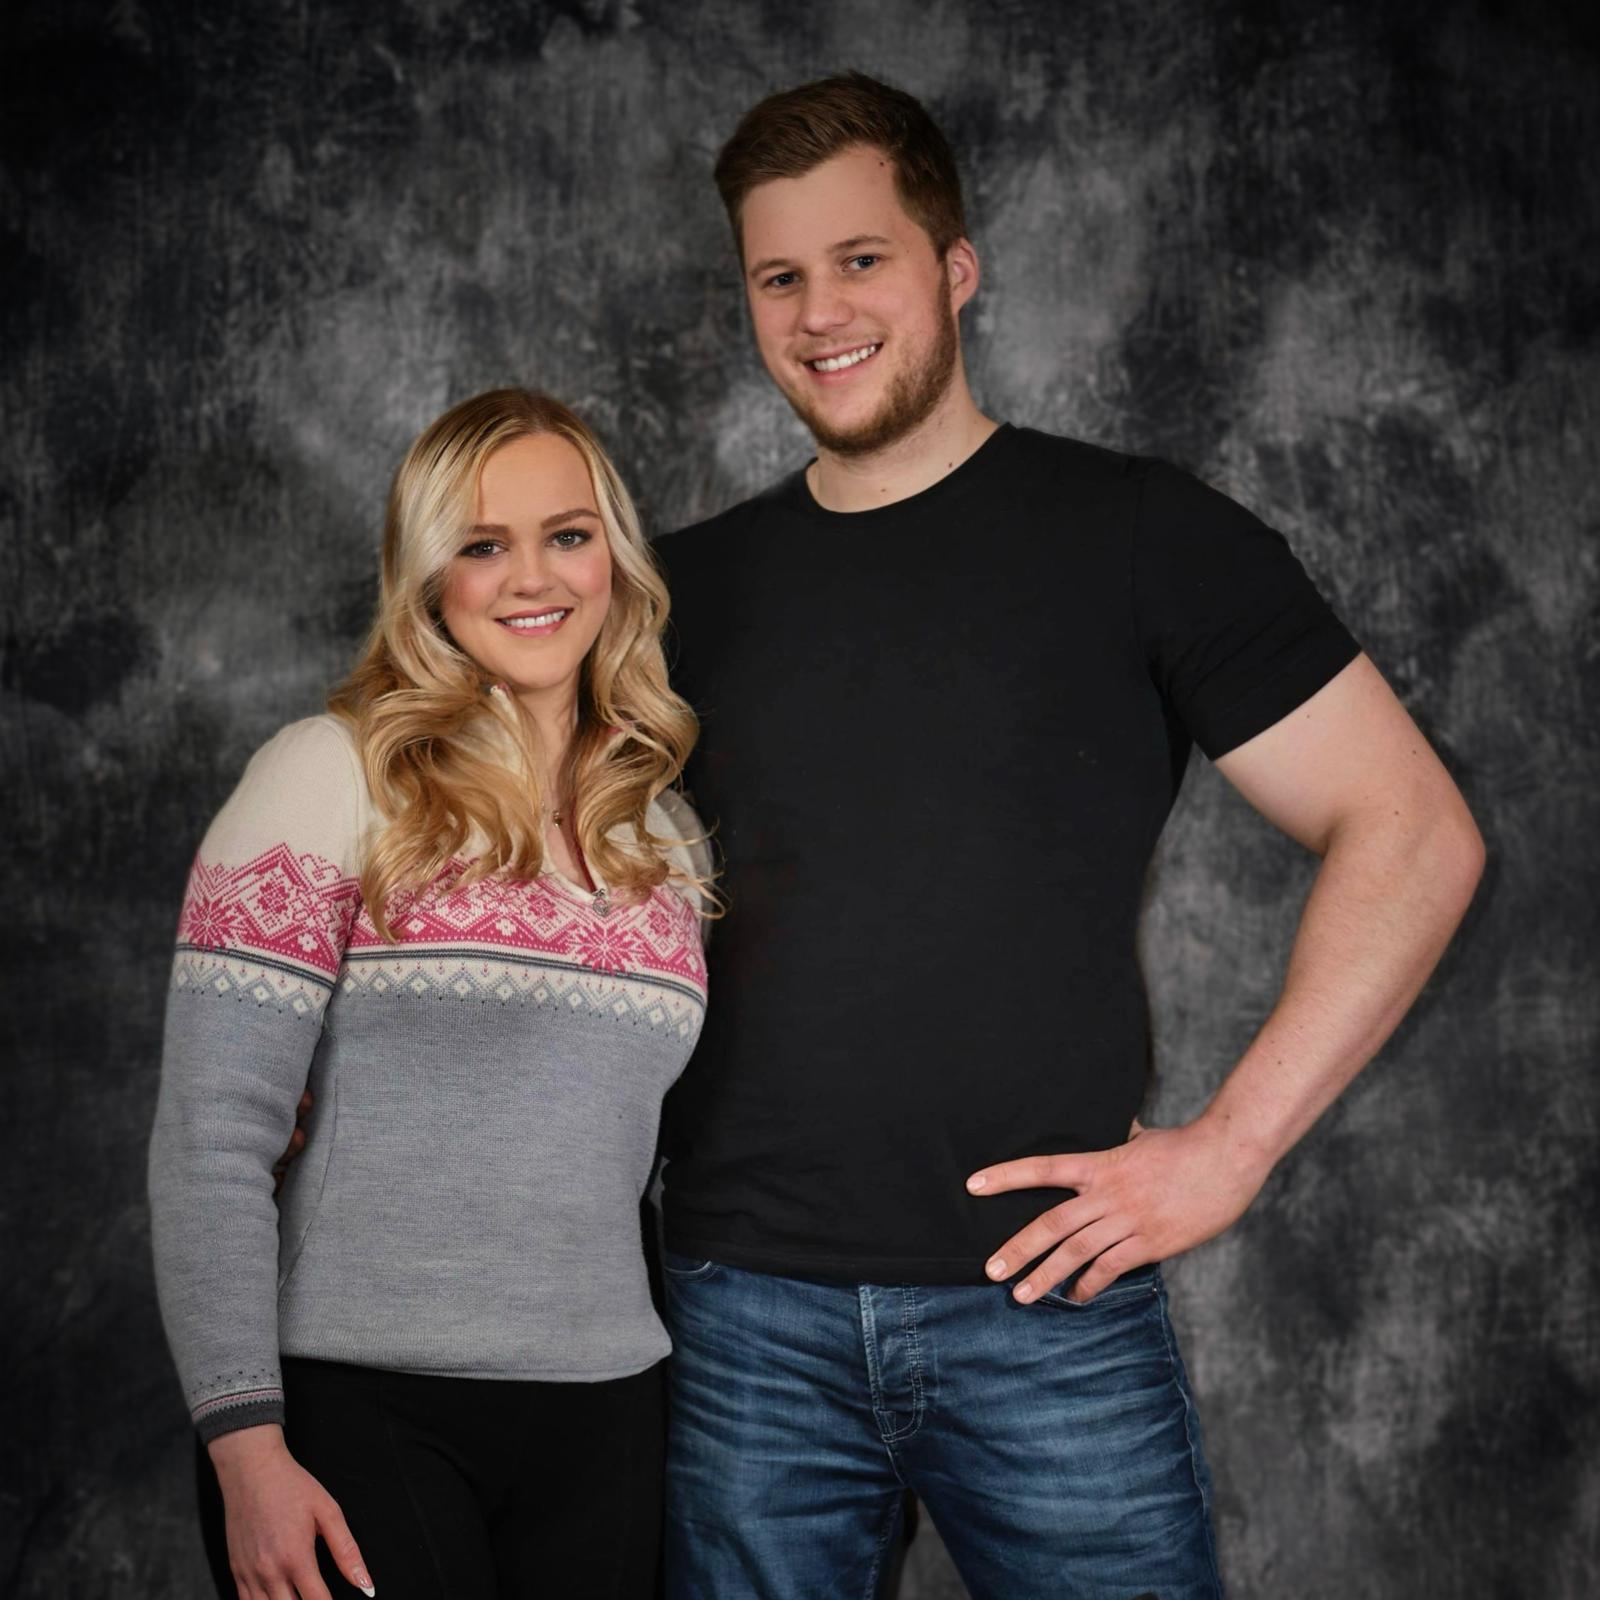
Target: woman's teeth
{"points": [[849, 359], [543, 620]]}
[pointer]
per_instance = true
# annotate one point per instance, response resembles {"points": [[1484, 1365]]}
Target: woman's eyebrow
{"points": [[559, 516]]}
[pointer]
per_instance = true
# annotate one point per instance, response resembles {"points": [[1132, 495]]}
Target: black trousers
{"points": [[473, 1489]]}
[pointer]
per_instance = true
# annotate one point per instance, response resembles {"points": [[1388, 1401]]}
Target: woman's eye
{"points": [[479, 548], [569, 538], [870, 260]]}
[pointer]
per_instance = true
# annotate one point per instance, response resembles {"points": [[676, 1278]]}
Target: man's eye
{"points": [[569, 538], [780, 280], [870, 260]]}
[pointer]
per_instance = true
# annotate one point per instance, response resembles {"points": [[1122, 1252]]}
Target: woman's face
{"points": [[528, 590]]}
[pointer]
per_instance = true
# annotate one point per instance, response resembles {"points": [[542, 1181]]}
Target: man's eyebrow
{"points": [[549, 522], [853, 243]]}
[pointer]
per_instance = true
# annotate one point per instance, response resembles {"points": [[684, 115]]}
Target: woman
{"points": [[461, 908]]}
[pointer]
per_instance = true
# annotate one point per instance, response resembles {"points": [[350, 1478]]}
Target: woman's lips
{"points": [[535, 624]]}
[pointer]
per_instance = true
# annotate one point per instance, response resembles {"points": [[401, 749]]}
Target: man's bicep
{"points": [[1350, 750]]}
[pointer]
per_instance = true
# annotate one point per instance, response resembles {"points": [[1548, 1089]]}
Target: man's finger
{"points": [[342, 1546], [1107, 1268], [1060, 1264], [1049, 1228], [1033, 1172]]}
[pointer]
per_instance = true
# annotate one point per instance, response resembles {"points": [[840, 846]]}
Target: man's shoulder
{"points": [[1165, 495], [1078, 458]]}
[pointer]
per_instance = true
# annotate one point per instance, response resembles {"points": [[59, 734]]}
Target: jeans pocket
{"points": [[688, 1269], [1137, 1283]]}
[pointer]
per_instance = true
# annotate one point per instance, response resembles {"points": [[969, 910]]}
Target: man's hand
{"points": [[297, 1141], [1164, 1192]]}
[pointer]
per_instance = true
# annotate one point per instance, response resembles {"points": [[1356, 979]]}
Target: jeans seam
{"points": [[890, 1522], [869, 1346], [1189, 1421], [908, 1324], [869, 1329]]}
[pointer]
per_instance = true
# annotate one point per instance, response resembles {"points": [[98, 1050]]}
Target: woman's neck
{"points": [[555, 715]]}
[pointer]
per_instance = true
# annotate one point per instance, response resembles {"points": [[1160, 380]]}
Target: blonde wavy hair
{"points": [[433, 738]]}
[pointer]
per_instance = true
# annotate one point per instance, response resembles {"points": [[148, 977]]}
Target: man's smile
{"points": [[843, 360]]}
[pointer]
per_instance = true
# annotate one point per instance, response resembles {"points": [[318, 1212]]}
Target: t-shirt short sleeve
{"points": [[1235, 634]]}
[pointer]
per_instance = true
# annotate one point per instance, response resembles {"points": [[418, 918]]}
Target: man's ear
{"points": [[961, 272]]}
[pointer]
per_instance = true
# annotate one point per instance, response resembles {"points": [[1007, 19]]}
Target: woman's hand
{"points": [[275, 1511]]}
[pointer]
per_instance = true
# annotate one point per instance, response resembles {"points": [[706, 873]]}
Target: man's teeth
{"points": [[849, 359], [544, 619]]}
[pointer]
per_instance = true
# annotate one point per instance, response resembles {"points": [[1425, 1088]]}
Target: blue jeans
{"points": [[1055, 1446]]}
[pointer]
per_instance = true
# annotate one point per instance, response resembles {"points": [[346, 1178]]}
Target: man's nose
{"points": [[823, 307]]}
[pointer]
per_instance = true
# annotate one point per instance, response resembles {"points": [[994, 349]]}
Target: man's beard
{"points": [[911, 400]]}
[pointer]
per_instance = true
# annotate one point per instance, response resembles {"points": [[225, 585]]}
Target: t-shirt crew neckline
{"points": [[924, 500]]}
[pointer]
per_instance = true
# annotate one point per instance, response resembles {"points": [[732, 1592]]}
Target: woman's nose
{"points": [[530, 573]]}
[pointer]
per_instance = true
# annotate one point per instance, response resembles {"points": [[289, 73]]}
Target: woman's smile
{"points": [[536, 624]]}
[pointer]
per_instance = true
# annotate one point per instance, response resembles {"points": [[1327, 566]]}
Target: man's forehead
{"points": [[848, 199]]}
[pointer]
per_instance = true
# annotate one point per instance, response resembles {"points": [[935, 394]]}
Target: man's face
{"points": [[854, 313]]}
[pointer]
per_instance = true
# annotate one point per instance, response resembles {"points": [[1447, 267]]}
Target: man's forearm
{"points": [[1384, 905]]}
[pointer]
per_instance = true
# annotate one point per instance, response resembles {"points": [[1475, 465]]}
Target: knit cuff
{"points": [[227, 1413]]}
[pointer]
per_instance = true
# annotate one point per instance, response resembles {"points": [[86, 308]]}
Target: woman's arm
{"points": [[269, 905]]}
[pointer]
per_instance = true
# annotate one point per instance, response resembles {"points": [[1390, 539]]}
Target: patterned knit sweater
{"points": [[487, 1094]]}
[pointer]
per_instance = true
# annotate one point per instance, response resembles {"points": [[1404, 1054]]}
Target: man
{"points": [[949, 677]]}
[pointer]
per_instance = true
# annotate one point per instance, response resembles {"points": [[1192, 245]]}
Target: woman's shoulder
{"points": [[672, 807], [688, 850], [303, 786], [317, 756]]}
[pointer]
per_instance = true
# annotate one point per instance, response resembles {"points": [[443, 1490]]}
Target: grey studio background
{"points": [[1341, 260]]}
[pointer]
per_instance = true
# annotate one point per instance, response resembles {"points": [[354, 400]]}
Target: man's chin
{"points": [[854, 439], [860, 436]]}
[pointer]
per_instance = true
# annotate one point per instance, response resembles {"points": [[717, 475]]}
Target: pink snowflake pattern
{"points": [[546, 916], [608, 947], [278, 904]]}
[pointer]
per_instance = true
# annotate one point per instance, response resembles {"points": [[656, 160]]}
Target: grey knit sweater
{"points": [[487, 1093]]}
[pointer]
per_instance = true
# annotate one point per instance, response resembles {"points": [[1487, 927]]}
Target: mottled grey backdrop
{"points": [[1342, 260]]}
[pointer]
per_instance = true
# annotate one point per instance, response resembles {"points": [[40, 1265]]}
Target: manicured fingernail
{"points": [[977, 1182], [996, 1268], [363, 1582], [1024, 1292]]}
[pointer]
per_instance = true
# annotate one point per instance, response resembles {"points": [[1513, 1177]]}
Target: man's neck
{"points": [[931, 451]]}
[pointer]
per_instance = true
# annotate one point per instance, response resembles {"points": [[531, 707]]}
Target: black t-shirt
{"points": [[939, 741]]}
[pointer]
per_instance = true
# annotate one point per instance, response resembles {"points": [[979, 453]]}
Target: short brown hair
{"points": [[789, 133]]}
